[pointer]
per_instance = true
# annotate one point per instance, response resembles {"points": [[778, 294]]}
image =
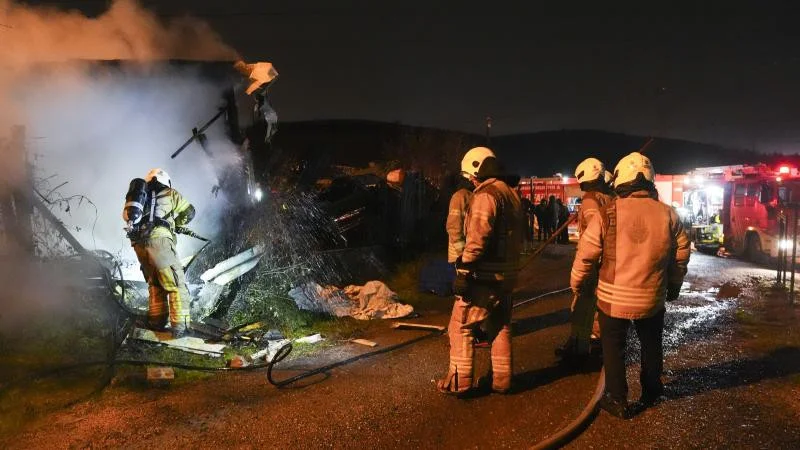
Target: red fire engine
{"points": [[746, 202]]}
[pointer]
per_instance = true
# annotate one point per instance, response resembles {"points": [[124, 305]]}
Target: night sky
{"points": [[718, 73]]}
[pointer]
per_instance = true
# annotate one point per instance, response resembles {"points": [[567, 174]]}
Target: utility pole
{"points": [[488, 130]]}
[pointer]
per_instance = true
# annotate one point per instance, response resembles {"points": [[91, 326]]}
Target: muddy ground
{"points": [[732, 379]]}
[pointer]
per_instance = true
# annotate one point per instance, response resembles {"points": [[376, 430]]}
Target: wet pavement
{"points": [[731, 375]]}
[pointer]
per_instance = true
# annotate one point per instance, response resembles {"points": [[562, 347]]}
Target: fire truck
{"points": [[745, 202]]}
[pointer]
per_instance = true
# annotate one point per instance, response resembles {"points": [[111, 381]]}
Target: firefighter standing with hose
{"points": [[645, 253], [152, 212], [485, 274], [593, 179]]}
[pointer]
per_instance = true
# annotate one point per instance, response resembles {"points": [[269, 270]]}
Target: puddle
{"points": [[696, 314]]}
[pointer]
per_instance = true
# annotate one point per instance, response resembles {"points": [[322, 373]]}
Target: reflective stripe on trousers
{"points": [[169, 296], [485, 303]]}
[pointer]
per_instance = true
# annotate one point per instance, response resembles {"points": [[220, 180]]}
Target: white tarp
{"points": [[373, 300]]}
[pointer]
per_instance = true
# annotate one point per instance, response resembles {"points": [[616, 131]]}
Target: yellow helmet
{"points": [[589, 169], [473, 160], [632, 165]]}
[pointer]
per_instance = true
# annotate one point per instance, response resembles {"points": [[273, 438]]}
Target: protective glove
{"points": [[673, 291], [463, 273], [461, 265], [460, 284]]}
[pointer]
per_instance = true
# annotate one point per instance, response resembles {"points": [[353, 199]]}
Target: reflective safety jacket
{"points": [[171, 210], [456, 239], [644, 250], [590, 205], [494, 229]]}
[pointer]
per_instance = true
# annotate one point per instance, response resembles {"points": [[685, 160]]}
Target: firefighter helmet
{"points": [[590, 169], [631, 166], [473, 160], [159, 175]]}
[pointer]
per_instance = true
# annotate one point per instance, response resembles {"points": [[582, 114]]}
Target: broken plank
{"points": [[420, 326], [364, 342]]}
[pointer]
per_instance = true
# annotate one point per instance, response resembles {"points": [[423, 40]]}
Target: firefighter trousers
{"points": [[169, 296], [487, 303]]}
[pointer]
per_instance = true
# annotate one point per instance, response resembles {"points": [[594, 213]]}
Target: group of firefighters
{"points": [[632, 256]]}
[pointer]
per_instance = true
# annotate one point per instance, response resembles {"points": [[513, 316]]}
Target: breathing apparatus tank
{"points": [[135, 201]]}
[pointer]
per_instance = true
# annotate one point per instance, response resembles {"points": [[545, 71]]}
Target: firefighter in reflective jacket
{"points": [[645, 253], [593, 179], [486, 273], [153, 240]]}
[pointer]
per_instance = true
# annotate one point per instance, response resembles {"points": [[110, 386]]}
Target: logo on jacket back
{"points": [[638, 232]]}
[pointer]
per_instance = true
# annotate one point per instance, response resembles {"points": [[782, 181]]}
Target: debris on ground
{"points": [[160, 374], [186, 343], [419, 326], [327, 300], [270, 350], [373, 300], [237, 362], [365, 342], [312, 339]]}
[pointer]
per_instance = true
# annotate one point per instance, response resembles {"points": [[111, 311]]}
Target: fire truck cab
{"points": [[754, 201]]}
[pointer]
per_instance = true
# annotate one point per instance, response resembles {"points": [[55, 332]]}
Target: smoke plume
{"points": [[125, 31]]}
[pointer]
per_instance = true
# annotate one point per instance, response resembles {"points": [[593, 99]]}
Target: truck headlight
{"points": [[785, 244]]}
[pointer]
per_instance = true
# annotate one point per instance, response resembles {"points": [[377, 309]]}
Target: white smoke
{"points": [[97, 136], [96, 127]]}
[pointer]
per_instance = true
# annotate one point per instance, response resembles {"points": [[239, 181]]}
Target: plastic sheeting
{"points": [[374, 300]]}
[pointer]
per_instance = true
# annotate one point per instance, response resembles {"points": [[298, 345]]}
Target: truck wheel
{"points": [[752, 250]]}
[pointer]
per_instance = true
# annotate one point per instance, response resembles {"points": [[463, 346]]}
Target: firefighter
{"points": [[153, 240], [485, 275], [592, 178], [643, 253]]}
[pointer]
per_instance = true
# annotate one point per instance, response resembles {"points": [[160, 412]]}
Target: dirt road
{"points": [[731, 371]]}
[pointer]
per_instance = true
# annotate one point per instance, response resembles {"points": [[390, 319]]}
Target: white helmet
{"points": [[632, 165], [159, 175], [589, 169], [473, 160]]}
